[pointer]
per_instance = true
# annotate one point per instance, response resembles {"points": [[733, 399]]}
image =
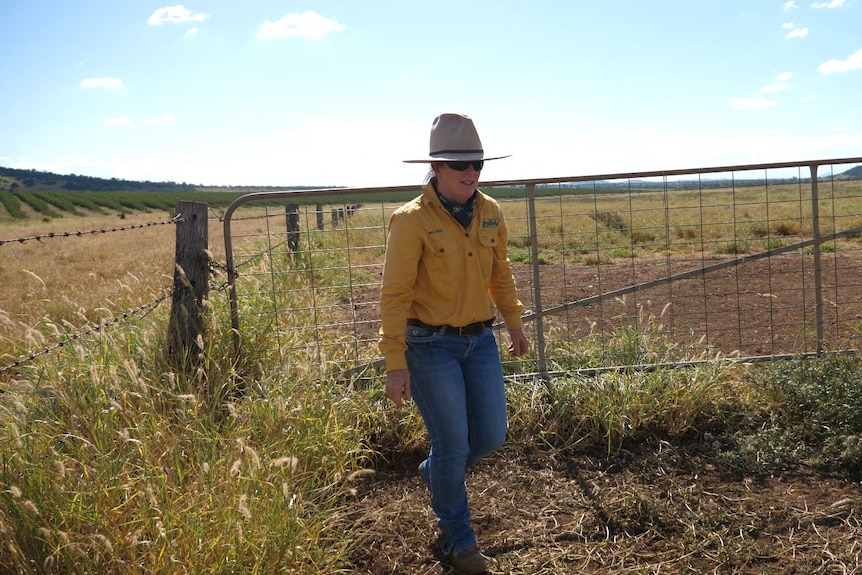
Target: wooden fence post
{"points": [[186, 331], [292, 215]]}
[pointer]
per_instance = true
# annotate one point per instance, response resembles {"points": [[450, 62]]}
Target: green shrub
{"points": [[38, 204], [12, 204], [734, 247], [823, 396], [813, 417], [83, 200], [109, 201], [58, 200], [758, 230], [612, 220]]}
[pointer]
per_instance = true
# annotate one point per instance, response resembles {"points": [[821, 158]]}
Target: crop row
{"points": [[56, 204]]}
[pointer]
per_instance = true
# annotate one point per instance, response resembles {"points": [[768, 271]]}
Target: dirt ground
{"points": [[661, 508], [761, 307]]}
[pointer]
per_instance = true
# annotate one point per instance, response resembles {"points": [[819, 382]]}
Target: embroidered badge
{"points": [[490, 223]]}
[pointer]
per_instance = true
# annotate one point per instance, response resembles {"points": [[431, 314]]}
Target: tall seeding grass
{"points": [[112, 463]]}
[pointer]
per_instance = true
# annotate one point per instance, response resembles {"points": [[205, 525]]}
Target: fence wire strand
{"points": [[142, 310], [713, 261], [78, 234]]}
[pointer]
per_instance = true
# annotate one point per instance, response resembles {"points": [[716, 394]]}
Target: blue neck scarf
{"points": [[463, 214]]}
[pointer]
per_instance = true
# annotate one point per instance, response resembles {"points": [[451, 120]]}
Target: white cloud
{"points": [[787, 25], [754, 104], [163, 119], [777, 87], [118, 121], [174, 15], [832, 4], [306, 24], [791, 5], [852, 63], [798, 33], [192, 32], [113, 83], [779, 84]]}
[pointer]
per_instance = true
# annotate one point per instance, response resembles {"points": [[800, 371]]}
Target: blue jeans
{"points": [[457, 384]]}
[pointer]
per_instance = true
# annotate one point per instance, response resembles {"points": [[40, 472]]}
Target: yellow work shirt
{"points": [[442, 274]]}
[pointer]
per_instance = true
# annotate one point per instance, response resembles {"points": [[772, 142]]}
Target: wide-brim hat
{"points": [[454, 138]]}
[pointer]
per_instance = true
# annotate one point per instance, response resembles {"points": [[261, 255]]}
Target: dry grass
{"points": [[57, 265], [60, 284], [113, 464]]}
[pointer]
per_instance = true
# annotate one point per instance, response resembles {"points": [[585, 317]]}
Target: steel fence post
{"points": [[818, 281], [537, 286]]}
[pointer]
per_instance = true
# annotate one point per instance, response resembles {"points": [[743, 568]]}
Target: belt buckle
{"points": [[470, 329]]}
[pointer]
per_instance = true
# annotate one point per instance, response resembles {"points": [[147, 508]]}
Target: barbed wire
{"points": [[218, 268], [53, 235], [144, 310]]}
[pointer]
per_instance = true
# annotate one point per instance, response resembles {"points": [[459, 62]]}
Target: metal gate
{"points": [[617, 270]]}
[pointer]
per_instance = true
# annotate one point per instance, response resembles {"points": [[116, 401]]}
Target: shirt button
{"points": [[470, 254]]}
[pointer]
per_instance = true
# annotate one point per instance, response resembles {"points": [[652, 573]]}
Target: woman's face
{"points": [[456, 186]]}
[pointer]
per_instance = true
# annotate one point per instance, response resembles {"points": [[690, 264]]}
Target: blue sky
{"points": [[279, 93]]}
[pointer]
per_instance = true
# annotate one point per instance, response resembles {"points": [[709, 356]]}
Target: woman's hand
{"points": [[519, 345], [398, 386]]}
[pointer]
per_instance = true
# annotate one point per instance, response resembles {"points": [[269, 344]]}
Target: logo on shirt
{"points": [[490, 223]]}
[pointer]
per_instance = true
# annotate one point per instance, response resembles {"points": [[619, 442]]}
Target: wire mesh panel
{"points": [[645, 270], [308, 275], [617, 270]]}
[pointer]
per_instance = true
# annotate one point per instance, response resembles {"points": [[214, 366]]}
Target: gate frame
{"points": [[530, 185]]}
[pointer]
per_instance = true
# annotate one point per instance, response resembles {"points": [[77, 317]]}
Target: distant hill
{"points": [[11, 178], [48, 180], [851, 174]]}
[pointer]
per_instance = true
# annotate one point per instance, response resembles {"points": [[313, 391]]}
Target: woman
{"points": [[445, 276]]}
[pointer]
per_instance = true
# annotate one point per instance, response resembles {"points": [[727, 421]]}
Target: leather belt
{"points": [[465, 331]]}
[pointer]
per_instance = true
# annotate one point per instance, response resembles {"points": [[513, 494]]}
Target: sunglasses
{"points": [[463, 166]]}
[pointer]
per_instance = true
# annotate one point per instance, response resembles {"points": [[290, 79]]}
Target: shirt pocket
{"points": [[489, 241], [443, 246], [443, 265]]}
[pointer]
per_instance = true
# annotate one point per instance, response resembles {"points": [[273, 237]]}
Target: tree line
{"points": [[36, 178]]}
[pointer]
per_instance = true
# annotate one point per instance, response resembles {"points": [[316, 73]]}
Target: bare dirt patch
{"points": [[661, 508], [760, 307], [664, 509]]}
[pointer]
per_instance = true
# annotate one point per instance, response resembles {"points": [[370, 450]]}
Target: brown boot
{"points": [[469, 561]]}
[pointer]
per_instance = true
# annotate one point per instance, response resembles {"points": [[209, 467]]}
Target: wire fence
{"points": [[650, 268], [83, 233], [620, 270], [9, 363], [84, 331]]}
